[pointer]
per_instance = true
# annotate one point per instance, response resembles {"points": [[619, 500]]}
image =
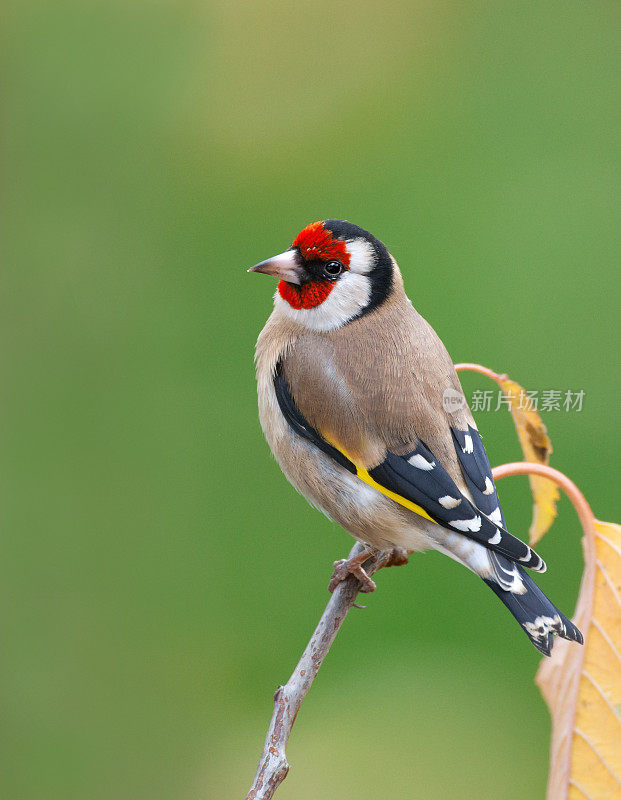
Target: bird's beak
{"points": [[287, 266]]}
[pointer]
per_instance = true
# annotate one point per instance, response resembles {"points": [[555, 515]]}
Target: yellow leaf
{"points": [[582, 685], [536, 446]]}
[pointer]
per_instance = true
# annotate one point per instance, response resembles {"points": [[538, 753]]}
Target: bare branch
{"points": [[273, 765]]}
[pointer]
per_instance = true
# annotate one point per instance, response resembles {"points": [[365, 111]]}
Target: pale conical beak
{"points": [[287, 266]]}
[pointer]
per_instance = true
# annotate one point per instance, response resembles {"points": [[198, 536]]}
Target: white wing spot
{"points": [[449, 502], [468, 446], [496, 516], [539, 566], [489, 486], [496, 538], [421, 463], [473, 524]]}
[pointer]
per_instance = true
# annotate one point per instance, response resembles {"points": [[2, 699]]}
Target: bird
{"points": [[362, 408]]}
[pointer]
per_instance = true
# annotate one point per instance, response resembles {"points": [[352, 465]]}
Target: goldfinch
{"points": [[352, 389]]}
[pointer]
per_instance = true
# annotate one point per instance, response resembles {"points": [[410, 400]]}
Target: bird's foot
{"points": [[345, 567]]}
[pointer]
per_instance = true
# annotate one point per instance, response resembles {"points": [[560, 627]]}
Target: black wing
{"points": [[418, 479]]}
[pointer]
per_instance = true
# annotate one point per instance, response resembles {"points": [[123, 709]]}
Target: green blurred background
{"points": [[160, 576]]}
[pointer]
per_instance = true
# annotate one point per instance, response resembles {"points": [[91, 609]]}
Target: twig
{"points": [[273, 765]]}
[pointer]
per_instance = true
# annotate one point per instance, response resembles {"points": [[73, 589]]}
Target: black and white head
{"points": [[333, 272]]}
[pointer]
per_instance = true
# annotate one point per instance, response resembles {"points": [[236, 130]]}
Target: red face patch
{"points": [[307, 296], [316, 242]]}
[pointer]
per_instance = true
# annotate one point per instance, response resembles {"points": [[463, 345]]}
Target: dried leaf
{"points": [[536, 446], [582, 685]]}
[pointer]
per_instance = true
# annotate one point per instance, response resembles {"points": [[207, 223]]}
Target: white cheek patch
{"points": [[362, 256], [350, 295]]}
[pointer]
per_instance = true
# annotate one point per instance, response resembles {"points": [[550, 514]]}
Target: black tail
{"points": [[539, 617]]}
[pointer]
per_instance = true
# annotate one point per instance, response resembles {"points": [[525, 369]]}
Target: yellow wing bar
{"points": [[364, 476]]}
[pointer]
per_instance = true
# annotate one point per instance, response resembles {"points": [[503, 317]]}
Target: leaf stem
{"points": [[483, 370]]}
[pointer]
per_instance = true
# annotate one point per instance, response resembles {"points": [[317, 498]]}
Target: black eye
{"points": [[333, 268]]}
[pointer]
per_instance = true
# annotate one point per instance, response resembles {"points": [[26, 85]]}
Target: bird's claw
{"points": [[345, 567]]}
